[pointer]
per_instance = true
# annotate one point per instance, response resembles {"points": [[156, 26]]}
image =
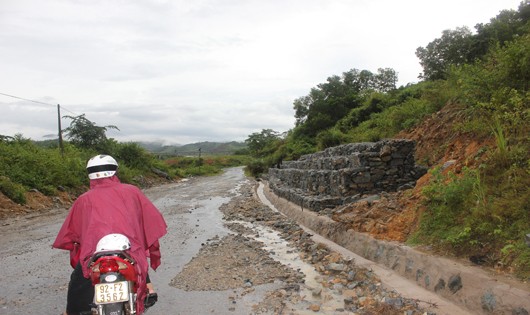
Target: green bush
{"points": [[134, 156], [407, 115], [375, 103], [34, 167], [295, 148], [45, 167], [497, 87], [256, 168], [331, 138], [443, 222], [12, 190], [391, 121], [128, 175], [484, 213]]}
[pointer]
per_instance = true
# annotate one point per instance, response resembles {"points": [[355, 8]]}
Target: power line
{"points": [[38, 102], [66, 109], [25, 99]]}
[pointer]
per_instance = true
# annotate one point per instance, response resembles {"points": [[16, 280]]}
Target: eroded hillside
{"points": [[440, 142]]}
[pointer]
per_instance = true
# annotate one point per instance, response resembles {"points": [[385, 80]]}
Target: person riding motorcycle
{"points": [[109, 207]]}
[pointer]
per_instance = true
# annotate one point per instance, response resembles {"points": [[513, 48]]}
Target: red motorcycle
{"points": [[113, 274]]}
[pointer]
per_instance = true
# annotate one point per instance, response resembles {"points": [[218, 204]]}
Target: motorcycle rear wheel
{"points": [[113, 309]]}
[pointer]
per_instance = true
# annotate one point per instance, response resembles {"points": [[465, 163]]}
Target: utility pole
{"points": [[200, 161], [61, 147]]}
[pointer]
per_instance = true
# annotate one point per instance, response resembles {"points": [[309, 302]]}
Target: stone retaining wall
{"points": [[344, 173]]}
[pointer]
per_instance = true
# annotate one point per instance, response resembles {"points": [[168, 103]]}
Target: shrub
{"points": [[482, 213], [498, 86], [256, 168], [391, 121], [447, 206], [12, 190], [132, 155], [330, 138], [40, 168]]}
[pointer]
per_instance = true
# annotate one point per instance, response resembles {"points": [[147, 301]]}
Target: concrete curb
{"points": [[470, 287]]}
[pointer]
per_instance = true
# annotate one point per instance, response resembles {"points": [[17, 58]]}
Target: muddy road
{"points": [[35, 276], [225, 253]]}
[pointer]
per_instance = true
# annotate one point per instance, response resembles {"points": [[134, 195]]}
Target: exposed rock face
{"points": [[344, 173]]}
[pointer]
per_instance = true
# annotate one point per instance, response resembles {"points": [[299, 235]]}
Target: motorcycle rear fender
{"points": [[126, 267]]}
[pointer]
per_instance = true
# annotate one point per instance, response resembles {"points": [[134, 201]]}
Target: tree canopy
{"points": [[258, 142], [86, 134], [460, 46], [328, 102], [451, 49]]}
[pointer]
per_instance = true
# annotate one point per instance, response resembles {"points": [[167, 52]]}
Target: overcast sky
{"points": [[185, 71]]}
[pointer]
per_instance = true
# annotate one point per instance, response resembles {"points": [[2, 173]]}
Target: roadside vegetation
{"points": [[27, 165], [482, 211], [204, 166]]}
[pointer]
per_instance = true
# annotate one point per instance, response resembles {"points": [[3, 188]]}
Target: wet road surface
{"points": [[35, 276]]}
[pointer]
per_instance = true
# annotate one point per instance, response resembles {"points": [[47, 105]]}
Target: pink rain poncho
{"points": [[112, 207]]}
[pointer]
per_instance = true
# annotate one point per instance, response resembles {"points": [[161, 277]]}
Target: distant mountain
{"points": [[193, 149], [154, 146]]}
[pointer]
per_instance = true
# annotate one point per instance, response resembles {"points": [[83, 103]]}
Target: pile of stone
{"points": [[345, 173], [231, 262], [359, 288]]}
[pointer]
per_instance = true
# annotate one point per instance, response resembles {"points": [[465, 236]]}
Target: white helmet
{"points": [[101, 166], [113, 242]]}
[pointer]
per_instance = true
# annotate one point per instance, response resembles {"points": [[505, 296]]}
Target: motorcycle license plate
{"points": [[113, 292]]}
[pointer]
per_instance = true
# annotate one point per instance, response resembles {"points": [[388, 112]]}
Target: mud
{"points": [[232, 262]]}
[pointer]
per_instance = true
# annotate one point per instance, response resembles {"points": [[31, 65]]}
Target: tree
{"points": [[385, 80], [503, 28], [453, 48], [301, 109], [258, 142], [86, 134], [328, 102], [358, 81], [458, 47]]}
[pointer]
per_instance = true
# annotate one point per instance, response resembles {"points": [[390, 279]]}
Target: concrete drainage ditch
{"points": [[469, 289]]}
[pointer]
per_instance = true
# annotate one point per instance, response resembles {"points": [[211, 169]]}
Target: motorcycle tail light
{"points": [[108, 265]]}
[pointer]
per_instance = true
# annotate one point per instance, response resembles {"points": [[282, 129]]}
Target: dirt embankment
{"points": [[394, 216], [36, 202]]}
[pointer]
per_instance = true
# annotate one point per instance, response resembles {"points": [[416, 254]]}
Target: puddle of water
{"points": [[405, 287], [280, 250], [235, 191], [193, 216]]}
